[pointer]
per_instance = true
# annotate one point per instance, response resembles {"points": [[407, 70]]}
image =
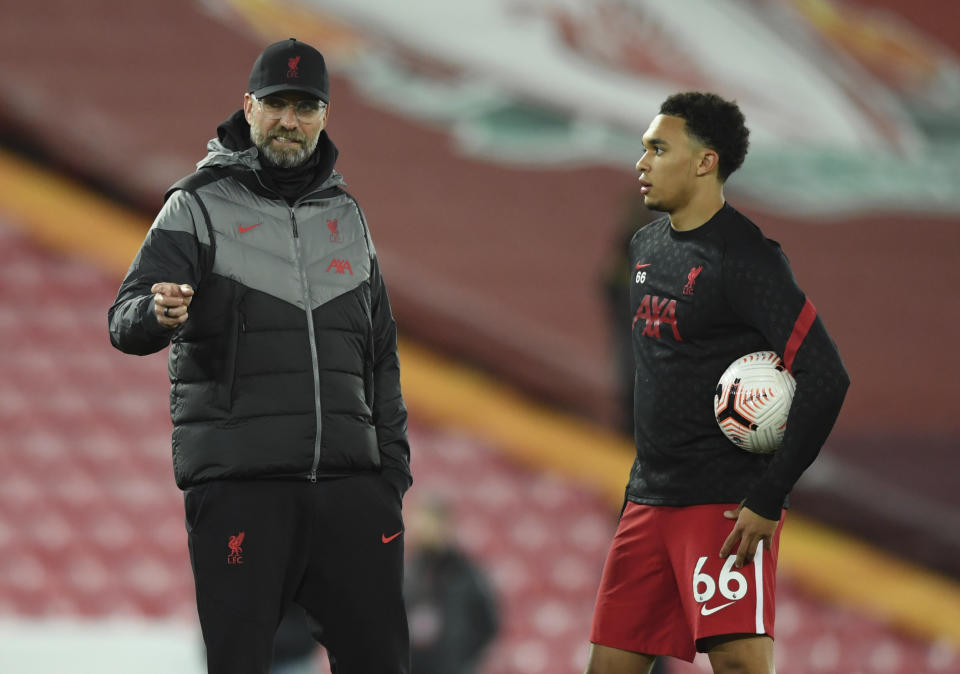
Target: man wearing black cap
{"points": [[289, 426]]}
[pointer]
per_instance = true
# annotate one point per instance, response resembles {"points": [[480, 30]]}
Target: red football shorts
{"points": [[664, 586]]}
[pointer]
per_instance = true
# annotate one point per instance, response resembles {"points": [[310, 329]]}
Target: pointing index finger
{"points": [[728, 544], [743, 553]]}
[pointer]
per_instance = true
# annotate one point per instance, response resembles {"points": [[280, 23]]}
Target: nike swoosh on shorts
{"points": [[710, 611]]}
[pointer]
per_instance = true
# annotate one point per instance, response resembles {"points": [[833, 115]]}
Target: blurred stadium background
{"points": [[491, 143]]}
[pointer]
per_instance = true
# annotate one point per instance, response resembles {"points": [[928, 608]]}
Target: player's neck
{"points": [[697, 211]]}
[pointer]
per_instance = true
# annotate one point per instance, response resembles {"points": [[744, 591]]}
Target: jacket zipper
{"points": [[308, 303]]}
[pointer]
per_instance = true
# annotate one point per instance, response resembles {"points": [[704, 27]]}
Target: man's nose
{"points": [[289, 117]]}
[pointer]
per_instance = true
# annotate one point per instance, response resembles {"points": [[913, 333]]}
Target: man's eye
{"points": [[658, 150], [274, 103], [308, 107]]}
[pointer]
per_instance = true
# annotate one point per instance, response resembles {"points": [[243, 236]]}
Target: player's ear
{"points": [[708, 162]]}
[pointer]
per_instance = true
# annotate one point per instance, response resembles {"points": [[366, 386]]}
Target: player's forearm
{"points": [[822, 383]]}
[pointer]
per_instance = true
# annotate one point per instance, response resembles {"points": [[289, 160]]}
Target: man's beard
{"points": [[283, 158]]}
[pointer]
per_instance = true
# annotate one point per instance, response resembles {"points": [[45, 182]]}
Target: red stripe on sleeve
{"points": [[800, 329]]}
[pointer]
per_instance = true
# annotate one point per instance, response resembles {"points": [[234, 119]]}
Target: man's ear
{"points": [[708, 163], [248, 108]]}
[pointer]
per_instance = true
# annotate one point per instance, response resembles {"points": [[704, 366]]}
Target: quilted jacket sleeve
{"points": [[170, 252]]}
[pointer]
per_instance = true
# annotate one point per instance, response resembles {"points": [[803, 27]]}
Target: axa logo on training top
{"points": [[656, 312], [235, 556], [340, 266], [292, 65]]}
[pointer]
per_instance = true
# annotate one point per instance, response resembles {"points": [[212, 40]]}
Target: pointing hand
{"points": [[170, 302]]}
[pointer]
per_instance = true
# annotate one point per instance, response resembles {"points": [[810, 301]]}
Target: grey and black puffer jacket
{"points": [[287, 365]]}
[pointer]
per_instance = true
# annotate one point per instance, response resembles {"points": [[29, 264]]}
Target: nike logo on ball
{"points": [[709, 611]]}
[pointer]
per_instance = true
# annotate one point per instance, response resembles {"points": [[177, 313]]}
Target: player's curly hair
{"points": [[716, 123]]}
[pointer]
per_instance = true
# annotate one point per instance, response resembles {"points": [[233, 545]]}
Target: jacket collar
{"points": [[232, 149]]}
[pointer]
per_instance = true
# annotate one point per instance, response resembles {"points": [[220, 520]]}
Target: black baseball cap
{"points": [[290, 65]]}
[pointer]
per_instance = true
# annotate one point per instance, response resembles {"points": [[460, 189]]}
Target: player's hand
{"points": [[170, 302], [750, 529]]}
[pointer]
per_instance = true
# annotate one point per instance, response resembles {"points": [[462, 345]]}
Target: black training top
{"points": [[700, 300]]}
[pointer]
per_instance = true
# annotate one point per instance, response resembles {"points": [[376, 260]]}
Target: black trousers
{"points": [[335, 547]]}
